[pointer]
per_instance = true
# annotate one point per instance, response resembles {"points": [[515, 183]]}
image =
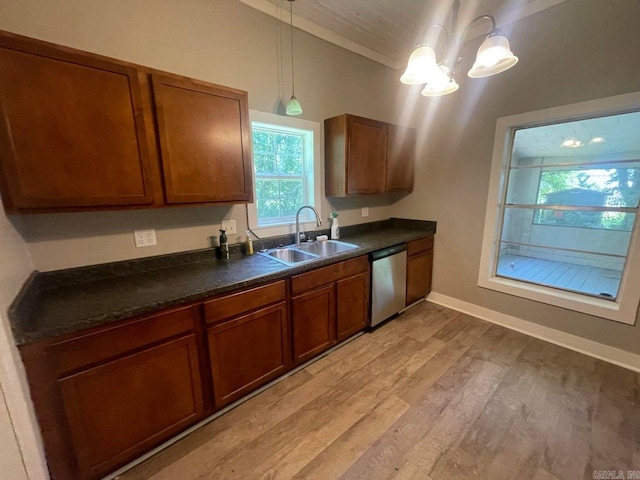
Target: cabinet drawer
{"points": [[420, 245], [101, 345], [244, 301], [325, 275]]}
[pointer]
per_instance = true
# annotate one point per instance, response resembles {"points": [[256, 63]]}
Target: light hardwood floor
{"points": [[433, 394]]}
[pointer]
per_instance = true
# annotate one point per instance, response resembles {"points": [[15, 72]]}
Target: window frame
{"points": [[624, 308], [312, 164]]}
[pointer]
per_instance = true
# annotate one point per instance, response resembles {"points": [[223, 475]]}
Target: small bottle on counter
{"points": [[335, 228], [224, 245], [248, 245]]}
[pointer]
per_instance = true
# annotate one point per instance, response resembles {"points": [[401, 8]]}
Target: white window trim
{"points": [[624, 308], [316, 194]]}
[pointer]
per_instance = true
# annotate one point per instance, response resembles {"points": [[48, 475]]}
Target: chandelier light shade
{"points": [[494, 56], [422, 66], [443, 84], [293, 105]]}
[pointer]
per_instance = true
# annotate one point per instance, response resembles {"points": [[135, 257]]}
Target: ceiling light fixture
{"points": [[494, 56], [293, 105]]}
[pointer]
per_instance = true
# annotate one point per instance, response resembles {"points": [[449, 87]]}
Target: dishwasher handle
{"points": [[387, 252]]}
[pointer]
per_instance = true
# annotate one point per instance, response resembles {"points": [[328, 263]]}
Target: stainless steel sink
{"points": [[306, 252], [327, 248], [290, 256]]}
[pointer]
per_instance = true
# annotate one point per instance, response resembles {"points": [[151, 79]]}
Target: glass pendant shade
{"points": [[293, 106], [494, 56], [421, 66], [441, 84]]}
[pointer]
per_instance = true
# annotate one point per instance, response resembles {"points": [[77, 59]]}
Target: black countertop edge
{"points": [[51, 304]]}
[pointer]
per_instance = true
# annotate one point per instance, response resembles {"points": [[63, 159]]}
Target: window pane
{"points": [[585, 219], [590, 261], [264, 163], [263, 141], [290, 165], [289, 144], [592, 274]]}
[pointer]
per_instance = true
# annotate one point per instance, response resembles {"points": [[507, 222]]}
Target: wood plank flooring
{"points": [[434, 394], [568, 276]]}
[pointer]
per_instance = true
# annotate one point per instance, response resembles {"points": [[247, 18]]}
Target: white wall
{"points": [[20, 445], [576, 51]]}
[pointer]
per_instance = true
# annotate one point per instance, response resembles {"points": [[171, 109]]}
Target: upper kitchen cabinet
{"points": [[204, 141], [73, 131], [364, 156], [79, 131], [401, 154]]}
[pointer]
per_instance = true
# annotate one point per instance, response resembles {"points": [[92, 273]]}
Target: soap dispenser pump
{"points": [[224, 245]]}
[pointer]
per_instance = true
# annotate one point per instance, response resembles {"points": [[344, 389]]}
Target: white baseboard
{"points": [[582, 345]]}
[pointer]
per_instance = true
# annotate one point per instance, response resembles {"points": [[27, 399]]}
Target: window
{"points": [[286, 172], [566, 183]]}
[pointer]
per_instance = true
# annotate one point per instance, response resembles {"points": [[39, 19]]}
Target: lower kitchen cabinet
{"points": [[248, 352], [105, 397], [124, 407], [329, 304], [352, 296], [313, 323], [419, 269], [248, 340]]}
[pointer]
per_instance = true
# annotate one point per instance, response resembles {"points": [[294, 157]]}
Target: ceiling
{"points": [[386, 31], [612, 137]]}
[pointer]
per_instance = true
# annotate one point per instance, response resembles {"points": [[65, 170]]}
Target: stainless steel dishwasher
{"points": [[388, 282]]}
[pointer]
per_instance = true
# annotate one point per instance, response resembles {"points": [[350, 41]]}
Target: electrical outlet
{"points": [[145, 238], [229, 226], [365, 211]]}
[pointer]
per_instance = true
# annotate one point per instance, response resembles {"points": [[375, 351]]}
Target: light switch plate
{"points": [[229, 226], [365, 211], [145, 238]]}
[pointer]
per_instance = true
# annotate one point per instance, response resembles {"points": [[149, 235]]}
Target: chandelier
{"points": [[494, 56]]}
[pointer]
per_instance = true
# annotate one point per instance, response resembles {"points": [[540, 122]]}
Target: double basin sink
{"points": [[305, 252]]}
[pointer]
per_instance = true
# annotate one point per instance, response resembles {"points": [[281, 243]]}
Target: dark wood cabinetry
{"points": [[352, 297], [204, 141], [365, 156], [401, 154], [107, 396], [419, 268], [247, 350], [329, 305], [73, 132], [81, 132]]}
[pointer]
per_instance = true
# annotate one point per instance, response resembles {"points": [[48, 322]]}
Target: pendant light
{"points": [[293, 105]]}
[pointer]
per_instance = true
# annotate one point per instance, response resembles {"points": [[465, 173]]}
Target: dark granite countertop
{"points": [[56, 303]]}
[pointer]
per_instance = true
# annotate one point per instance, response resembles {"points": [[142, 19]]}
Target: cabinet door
{"points": [[352, 299], [419, 268], [313, 323], [204, 141], [120, 409], [366, 151], [73, 132], [401, 152], [248, 352]]}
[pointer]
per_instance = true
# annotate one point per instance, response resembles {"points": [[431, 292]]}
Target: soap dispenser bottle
{"points": [[248, 244], [335, 228], [224, 245]]}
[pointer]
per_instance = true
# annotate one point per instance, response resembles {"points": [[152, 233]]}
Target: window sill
{"points": [[604, 308]]}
